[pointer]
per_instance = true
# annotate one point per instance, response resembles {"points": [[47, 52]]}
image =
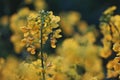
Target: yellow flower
{"points": [[109, 10], [113, 67], [111, 73], [105, 53], [116, 47]]}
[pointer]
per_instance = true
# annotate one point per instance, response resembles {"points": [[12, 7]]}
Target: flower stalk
{"points": [[41, 44], [37, 32], [42, 57]]}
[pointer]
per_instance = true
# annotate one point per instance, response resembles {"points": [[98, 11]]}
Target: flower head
{"points": [[40, 27]]}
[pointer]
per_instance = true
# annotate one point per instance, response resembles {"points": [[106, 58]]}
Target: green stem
{"points": [[41, 44]]}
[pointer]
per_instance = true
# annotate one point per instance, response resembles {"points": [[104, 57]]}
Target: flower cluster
{"points": [[106, 41], [13, 69], [19, 19], [75, 61], [38, 29], [16, 21], [107, 29], [79, 60], [111, 40], [113, 67]]}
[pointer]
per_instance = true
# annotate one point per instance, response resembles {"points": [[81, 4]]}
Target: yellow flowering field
{"points": [[40, 43]]}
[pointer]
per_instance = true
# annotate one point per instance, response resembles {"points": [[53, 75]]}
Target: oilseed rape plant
{"points": [[39, 28], [111, 30]]}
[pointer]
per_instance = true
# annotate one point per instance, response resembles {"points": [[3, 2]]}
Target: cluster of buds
{"points": [[41, 27]]}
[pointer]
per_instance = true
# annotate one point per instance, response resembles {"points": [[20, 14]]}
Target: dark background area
{"points": [[90, 9]]}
